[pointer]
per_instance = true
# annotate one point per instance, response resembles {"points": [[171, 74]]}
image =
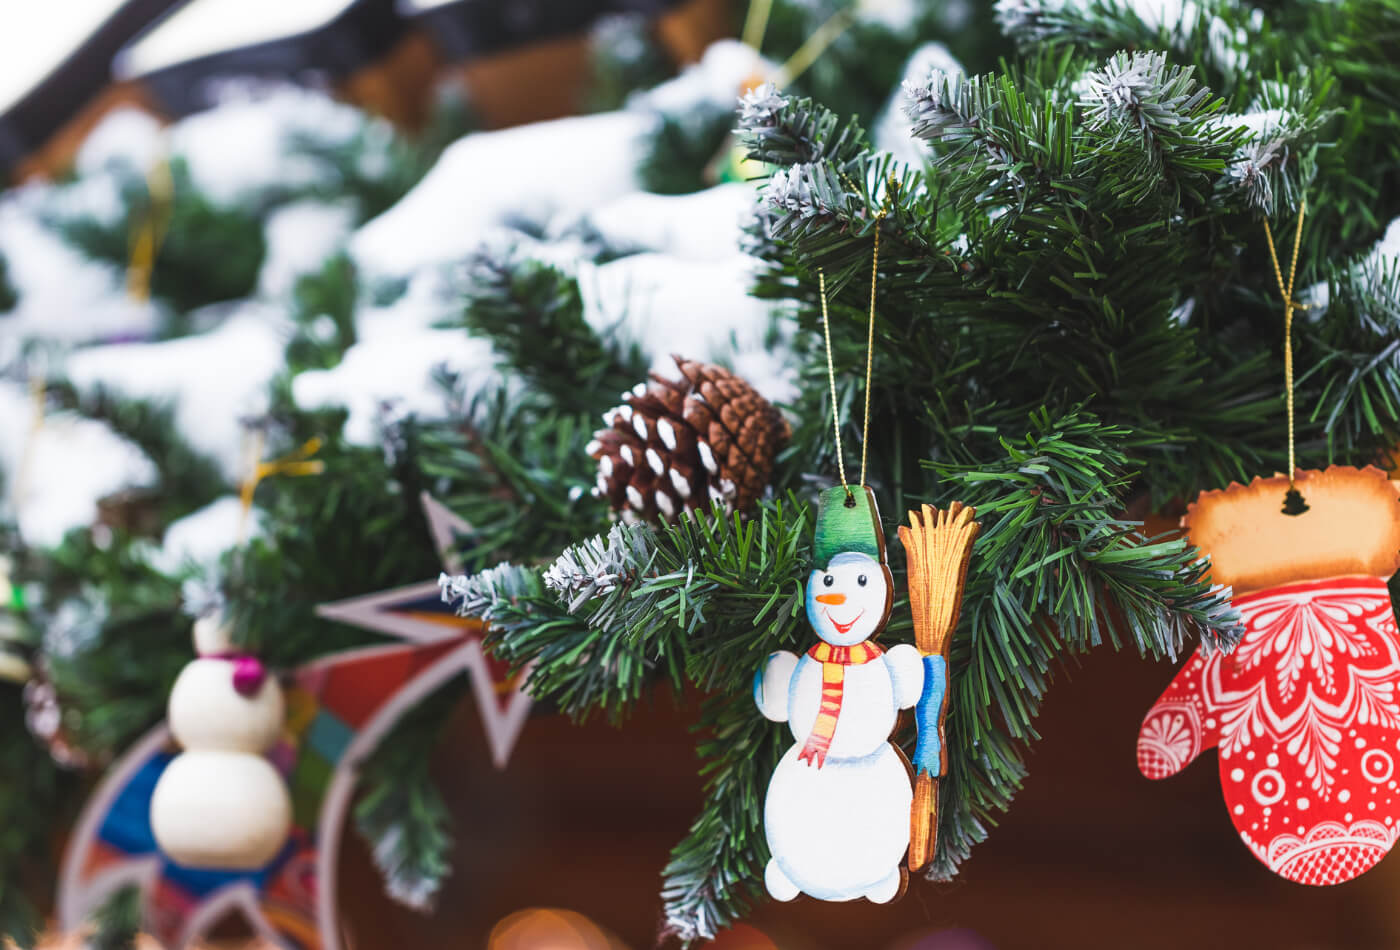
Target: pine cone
{"points": [[678, 445]]}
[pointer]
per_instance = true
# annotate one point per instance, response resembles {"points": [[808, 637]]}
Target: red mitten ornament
{"points": [[1306, 710]]}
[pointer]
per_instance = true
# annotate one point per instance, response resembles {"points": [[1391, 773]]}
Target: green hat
{"points": [[848, 521]]}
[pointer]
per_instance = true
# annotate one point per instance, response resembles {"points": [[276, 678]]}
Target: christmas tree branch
{"points": [[400, 812], [533, 313], [1055, 572]]}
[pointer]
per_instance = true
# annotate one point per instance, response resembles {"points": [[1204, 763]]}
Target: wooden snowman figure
{"points": [[837, 815], [220, 804]]}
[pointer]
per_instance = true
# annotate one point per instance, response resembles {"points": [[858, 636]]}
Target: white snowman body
{"points": [[220, 804], [840, 831]]}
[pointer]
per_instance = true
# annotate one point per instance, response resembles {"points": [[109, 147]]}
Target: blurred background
{"points": [[168, 157]]}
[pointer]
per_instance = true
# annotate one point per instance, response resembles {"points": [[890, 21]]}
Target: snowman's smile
{"points": [[843, 628]]}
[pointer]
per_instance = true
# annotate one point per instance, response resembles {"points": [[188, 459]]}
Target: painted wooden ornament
{"points": [[220, 804], [836, 814], [938, 545], [1305, 711]]}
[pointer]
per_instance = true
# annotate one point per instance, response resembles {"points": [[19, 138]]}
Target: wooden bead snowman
{"points": [[220, 804], [837, 815]]}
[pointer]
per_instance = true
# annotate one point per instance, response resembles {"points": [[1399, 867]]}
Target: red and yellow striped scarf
{"points": [[834, 661]]}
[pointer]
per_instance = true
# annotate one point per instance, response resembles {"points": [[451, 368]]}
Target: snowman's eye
{"points": [[861, 580], [828, 580]]}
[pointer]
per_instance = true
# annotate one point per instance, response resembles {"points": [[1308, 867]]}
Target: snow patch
{"points": [[63, 296], [394, 372], [125, 136], [719, 77], [55, 476], [894, 15], [530, 172], [244, 144], [213, 380], [300, 237], [200, 538], [698, 309], [706, 225]]}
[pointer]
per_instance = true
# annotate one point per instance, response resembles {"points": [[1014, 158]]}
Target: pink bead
{"points": [[248, 675]]}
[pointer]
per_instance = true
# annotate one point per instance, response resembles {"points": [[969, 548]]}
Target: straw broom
{"points": [[938, 545]]}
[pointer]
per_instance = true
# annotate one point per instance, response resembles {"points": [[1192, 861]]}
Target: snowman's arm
{"points": [[770, 685], [906, 673]]}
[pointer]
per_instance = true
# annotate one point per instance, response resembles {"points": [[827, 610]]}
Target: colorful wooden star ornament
{"points": [[417, 613], [336, 710]]}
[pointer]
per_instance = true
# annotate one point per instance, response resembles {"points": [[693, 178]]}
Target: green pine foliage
{"points": [[116, 638], [357, 527], [208, 251], [1057, 571], [854, 76], [188, 478], [1076, 313], [323, 306], [8, 295], [400, 812], [626, 56], [37, 796], [533, 314], [679, 154], [118, 921]]}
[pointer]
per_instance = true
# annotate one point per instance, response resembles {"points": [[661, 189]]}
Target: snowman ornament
{"points": [[221, 804], [837, 814]]}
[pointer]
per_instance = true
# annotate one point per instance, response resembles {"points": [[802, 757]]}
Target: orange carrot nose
{"points": [[833, 599]]}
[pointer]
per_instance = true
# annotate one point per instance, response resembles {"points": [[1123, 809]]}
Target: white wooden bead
{"points": [[206, 713], [212, 635], [220, 810]]}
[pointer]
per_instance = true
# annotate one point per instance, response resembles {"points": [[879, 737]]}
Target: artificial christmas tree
{"points": [[1076, 320]]}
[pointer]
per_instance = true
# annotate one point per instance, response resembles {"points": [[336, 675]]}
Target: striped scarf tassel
{"points": [[834, 661]]}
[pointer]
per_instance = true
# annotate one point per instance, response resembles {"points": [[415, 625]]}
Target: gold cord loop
{"points": [[869, 365], [831, 378], [148, 230], [1289, 306], [870, 347], [295, 464]]}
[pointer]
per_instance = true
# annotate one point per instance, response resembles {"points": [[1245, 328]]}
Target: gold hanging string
{"points": [[816, 44], [294, 464], [870, 349], [38, 396], [149, 230], [831, 377], [756, 23], [1289, 306], [869, 365]]}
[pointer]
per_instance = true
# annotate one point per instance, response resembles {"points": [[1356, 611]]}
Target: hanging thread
{"points": [[1293, 501], [756, 23], [831, 378], [813, 47], [294, 464], [149, 231], [870, 346], [869, 365]]}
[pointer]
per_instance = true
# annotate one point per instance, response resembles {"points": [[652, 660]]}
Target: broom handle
{"points": [[923, 821]]}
